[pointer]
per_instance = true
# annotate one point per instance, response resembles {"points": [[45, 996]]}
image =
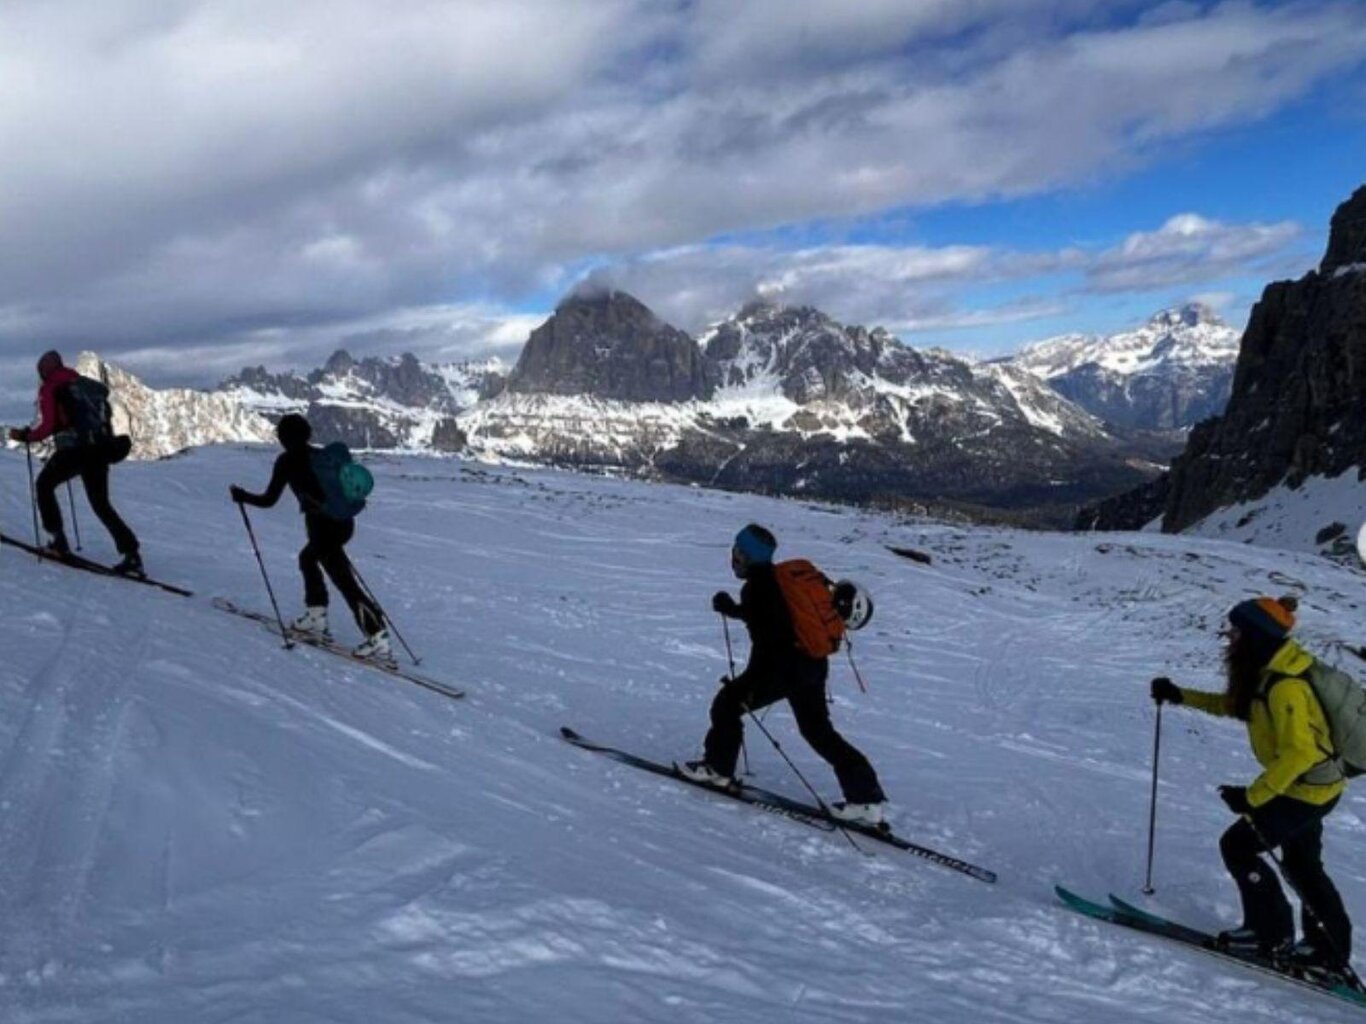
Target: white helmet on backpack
{"points": [[854, 604]]}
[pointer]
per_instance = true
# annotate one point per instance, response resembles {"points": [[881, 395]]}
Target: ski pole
{"points": [[384, 615], [75, 523], [814, 795], [1148, 889], [730, 660], [858, 676], [1348, 972], [284, 633], [32, 494]]}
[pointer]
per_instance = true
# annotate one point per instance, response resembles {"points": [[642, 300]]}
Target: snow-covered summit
{"points": [[1170, 373], [1192, 335]]}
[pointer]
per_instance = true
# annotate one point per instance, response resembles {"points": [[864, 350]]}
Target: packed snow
{"points": [[201, 826]]}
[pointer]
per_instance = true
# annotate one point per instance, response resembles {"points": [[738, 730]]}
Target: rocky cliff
{"points": [[1298, 405], [164, 421], [608, 345]]}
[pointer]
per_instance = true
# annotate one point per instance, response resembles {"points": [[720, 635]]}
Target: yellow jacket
{"points": [[1290, 736]]}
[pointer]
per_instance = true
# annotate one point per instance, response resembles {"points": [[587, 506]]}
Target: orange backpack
{"points": [[817, 625]]}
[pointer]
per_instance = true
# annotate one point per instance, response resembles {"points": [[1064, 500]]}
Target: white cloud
{"points": [[1188, 249], [188, 172]]}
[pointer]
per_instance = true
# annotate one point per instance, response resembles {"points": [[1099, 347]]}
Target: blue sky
{"points": [[191, 187]]}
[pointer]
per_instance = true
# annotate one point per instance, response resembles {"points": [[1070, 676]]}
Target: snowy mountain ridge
{"points": [[1192, 335], [1170, 373], [385, 403], [163, 421], [781, 399]]}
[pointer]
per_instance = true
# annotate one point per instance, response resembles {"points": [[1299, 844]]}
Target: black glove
{"points": [[1236, 798], [724, 604], [19, 434], [1165, 690], [239, 494]]}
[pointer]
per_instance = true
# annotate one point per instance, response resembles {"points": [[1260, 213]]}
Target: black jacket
{"points": [[293, 468], [763, 610]]}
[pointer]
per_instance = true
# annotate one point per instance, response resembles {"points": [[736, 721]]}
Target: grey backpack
{"points": [[1344, 706]]}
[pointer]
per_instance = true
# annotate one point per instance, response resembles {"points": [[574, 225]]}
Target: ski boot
{"points": [[131, 565], [313, 621], [375, 647], [700, 771], [57, 546], [868, 815]]}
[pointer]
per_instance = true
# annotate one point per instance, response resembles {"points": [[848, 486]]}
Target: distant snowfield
{"points": [[198, 826]]}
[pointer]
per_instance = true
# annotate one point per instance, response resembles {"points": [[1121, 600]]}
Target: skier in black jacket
{"points": [[327, 539], [778, 670]]}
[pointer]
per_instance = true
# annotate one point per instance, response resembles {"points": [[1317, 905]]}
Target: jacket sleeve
{"points": [[1210, 703], [278, 478], [1298, 746], [744, 609], [47, 415]]}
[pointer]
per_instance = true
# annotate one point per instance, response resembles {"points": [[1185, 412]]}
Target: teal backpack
{"points": [[345, 483]]}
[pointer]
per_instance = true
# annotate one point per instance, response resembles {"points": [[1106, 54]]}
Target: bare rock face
{"points": [[1347, 235], [162, 422], [1298, 406], [609, 345]]}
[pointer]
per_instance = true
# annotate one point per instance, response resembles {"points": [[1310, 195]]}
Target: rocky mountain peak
{"points": [[1192, 314], [1347, 235], [339, 363], [1169, 374], [607, 344], [1297, 395], [164, 421]]}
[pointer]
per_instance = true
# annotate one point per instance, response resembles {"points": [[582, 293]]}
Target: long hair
{"points": [[1246, 656]]}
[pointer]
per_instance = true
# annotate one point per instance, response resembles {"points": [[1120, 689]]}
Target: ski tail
{"points": [[74, 561]]}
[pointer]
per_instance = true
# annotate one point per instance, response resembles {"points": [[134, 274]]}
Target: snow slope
{"points": [[1303, 518], [200, 826]]}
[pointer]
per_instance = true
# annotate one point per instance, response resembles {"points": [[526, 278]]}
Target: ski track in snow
{"points": [[197, 825]]}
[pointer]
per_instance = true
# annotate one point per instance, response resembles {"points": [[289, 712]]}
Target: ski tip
{"points": [[569, 733]]}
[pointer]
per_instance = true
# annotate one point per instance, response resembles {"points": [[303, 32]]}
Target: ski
{"points": [[74, 561], [322, 643], [786, 807], [1126, 915]]}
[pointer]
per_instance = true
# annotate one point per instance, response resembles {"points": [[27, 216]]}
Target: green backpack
{"points": [[1344, 706], [345, 483]]}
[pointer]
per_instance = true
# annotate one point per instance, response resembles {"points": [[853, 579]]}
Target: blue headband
{"points": [[756, 550]]}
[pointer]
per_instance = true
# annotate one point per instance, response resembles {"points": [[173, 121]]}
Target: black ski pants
{"points": [[92, 465], [326, 552], [1297, 828], [801, 682]]}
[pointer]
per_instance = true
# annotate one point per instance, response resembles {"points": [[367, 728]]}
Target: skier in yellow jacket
{"points": [[1285, 805]]}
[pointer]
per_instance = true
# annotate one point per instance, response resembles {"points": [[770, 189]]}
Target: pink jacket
{"points": [[51, 415]]}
